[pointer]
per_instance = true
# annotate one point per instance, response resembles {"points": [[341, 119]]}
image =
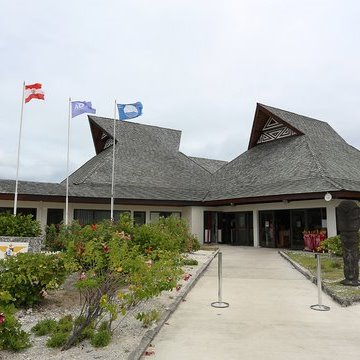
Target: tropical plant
{"points": [[333, 245], [171, 234], [11, 335], [27, 275], [114, 275], [19, 225]]}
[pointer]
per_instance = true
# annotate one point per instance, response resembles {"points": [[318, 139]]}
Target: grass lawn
{"points": [[331, 272]]}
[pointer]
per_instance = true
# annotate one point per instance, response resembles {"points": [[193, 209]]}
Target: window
{"points": [[19, 211], [54, 216], [139, 217], [86, 217]]}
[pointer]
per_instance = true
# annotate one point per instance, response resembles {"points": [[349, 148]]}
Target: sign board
{"points": [[12, 248]]}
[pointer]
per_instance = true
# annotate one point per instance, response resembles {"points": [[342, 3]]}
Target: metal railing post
{"points": [[220, 303], [319, 306]]}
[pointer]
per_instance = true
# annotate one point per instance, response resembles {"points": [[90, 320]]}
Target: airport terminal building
{"points": [[290, 180]]}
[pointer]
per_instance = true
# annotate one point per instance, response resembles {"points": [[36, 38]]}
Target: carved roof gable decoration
{"points": [[274, 130], [273, 124]]}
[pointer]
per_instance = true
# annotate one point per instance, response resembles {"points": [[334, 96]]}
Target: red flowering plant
{"points": [[313, 240], [27, 275], [11, 335], [115, 274]]}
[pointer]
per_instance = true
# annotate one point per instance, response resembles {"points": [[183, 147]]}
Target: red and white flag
{"points": [[33, 92]]}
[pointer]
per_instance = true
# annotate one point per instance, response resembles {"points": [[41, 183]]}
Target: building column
{"points": [[196, 222], [147, 217], [331, 220], [256, 228], [41, 215]]}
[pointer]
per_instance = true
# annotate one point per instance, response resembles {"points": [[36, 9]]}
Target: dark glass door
{"points": [[267, 229], [298, 225]]}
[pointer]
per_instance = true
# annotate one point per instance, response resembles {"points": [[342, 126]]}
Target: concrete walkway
{"points": [[268, 318]]}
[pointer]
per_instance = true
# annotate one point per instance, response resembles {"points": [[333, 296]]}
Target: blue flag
{"points": [[129, 111], [80, 107]]}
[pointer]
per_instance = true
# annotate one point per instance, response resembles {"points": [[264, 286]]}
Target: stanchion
{"points": [[220, 303], [319, 306]]}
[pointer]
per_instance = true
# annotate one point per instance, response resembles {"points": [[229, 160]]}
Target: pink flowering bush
{"points": [[11, 335], [115, 273], [27, 276]]}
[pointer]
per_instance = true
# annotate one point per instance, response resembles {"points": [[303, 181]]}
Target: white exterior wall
{"points": [[193, 214], [42, 207]]}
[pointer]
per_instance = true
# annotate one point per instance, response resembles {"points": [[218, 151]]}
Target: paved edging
{"points": [[313, 279], [151, 333]]}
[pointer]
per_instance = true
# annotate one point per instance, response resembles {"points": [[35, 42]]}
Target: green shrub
{"points": [[104, 326], [170, 234], [27, 275], [143, 260], [87, 333], [189, 262], [125, 224], [53, 242], [79, 320], [11, 335], [59, 331], [178, 230], [19, 225], [57, 339], [192, 244], [65, 324], [148, 318], [101, 338], [44, 327], [333, 245]]}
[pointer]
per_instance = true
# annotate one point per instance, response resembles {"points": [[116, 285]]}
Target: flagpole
{"points": [[113, 169], [18, 150], [67, 168]]}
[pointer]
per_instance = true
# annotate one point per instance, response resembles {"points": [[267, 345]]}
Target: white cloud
{"points": [[199, 67]]}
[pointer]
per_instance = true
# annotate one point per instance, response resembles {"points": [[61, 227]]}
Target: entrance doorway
{"points": [[238, 228], [285, 228], [229, 228], [211, 227], [275, 229]]}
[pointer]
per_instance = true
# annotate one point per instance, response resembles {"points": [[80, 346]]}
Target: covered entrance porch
{"points": [[234, 228], [275, 228], [285, 228]]}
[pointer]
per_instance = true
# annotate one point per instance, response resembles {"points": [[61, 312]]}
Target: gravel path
{"points": [[129, 340]]}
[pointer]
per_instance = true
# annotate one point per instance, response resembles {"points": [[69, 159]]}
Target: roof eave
{"points": [[341, 194]]}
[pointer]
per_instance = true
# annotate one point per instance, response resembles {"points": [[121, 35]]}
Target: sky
{"points": [[199, 66]]}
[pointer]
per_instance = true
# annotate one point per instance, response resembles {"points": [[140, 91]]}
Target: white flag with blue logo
{"points": [[81, 107], [129, 111]]}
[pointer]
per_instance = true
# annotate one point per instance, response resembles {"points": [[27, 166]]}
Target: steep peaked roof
{"points": [[210, 165], [148, 164], [269, 126], [135, 135], [289, 155], [314, 158]]}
